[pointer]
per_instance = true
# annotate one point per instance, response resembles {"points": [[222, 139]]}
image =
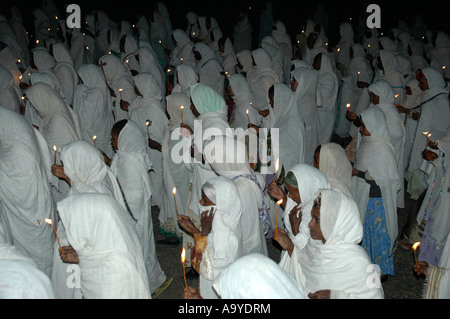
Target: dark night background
{"points": [[292, 13]]}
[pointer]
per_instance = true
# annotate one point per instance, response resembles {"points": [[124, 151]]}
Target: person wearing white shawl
{"points": [[210, 111], [242, 96], [256, 276], [302, 182], [382, 95], [209, 69], [16, 22], [131, 165], [175, 172], [266, 20], [183, 51], [25, 194], [228, 55], [327, 92], [345, 43], [227, 156], [20, 278], [213, 42], [93, 106], [390, 71], [279, 61], [9, 93], [148, 63], [304, 85], [333, 265], [64, 71], [416, 52], [440, 55], [244, 62], [59, 124], [148, 107], [85, 171], [115, 71], [192, 27], [128, 50], [314, 45], [434, 255], [242, 33], [330, 159], [279, 33], [108, 248], [162, 10], [375, 184], [434, 118], [186, 77], [220, 202], [261, 77]]}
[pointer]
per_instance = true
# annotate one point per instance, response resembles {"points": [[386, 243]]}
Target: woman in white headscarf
{"points": [[85, 171], [279, 61], [382, 95], [333, 265], [244, 62], [261, 77], [148, 107], [345, 43], [242, 96], [208, 67], [9, 93], [131, 165], [391, 71], [221, 202], [93, 106], [304, 85], [25, 195], [45, 63], [440, 55], [186, 77], [182, 53], [192, 28], [228, 157], [59, 124], [416, 51], [374, 187], [256, 276], [327, 92], [434, 118], [148, 63], [280, 34], [330, 159], [64, 71], [228, 55], [108, 248], [242, 33], [302, 182], [175, 172]]}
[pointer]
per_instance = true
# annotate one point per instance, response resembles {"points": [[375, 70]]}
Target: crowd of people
{"points": [[99, 124]]}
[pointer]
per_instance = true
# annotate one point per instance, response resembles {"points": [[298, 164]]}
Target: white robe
{"points": [[209, 69]]}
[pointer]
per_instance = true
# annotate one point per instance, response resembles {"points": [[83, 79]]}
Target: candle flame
{"points": [[277, 164], [54, 148], [425, 133], [94, 137], [443, 68], [368, 45], [168, 70], [147, 123], [416, 245], [48, 221], [120, 90], [181, 107], [18, 61], [20, 77], [339, 49], [429, 135], [127, 61], [174, 190], [359, 72], [348, 105], [247, 112], [183, 255], [397, 95], [280, 202]]}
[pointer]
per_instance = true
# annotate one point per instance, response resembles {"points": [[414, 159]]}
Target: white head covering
{"points": [[207, 100], [339, 264], [256, 276], [174, 101], [186, 77], [98, 230], [337, 168]]}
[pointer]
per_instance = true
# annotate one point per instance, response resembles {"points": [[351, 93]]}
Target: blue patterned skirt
{"points": [[376, 240]]}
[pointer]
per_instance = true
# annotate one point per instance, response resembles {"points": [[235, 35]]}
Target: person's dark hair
{"points": [[318, 148], [222, 40], [118, 127]]}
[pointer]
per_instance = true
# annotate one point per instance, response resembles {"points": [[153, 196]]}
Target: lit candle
{"points": [[276, 219], [397, 95], [50, 222], [128, 64], [20, 78], [348, 106], [120, 92], [168, 71], [148, 123], [94, 138], [54, 159], [415, 250], [181, 59], [181, 110], [277, 165], [337, 54], [358, 76], [443, 71], [426, 134], [248, 117], [174, 191], [183, 259]]}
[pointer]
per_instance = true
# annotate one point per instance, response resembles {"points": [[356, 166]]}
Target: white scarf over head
{"points": [[104, 240], [376, 155], [337, 168], [339, 264], [224, 244], [186, 77], [242, 97]]}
